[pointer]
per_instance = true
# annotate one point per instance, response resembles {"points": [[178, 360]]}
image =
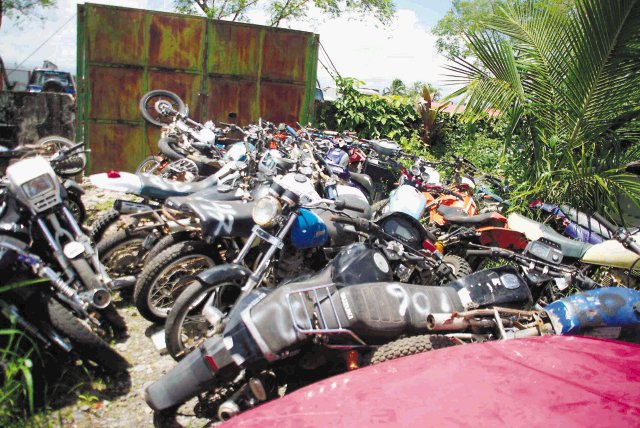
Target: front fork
{"points": [[78, 235]]}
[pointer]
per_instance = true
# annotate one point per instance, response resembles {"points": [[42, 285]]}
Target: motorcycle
{"points": [[390, 243], [34, 215], [66, 159], [310, 329]]}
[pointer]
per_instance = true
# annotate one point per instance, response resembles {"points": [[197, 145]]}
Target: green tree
{"points": [[467, 16], [281, 10], [417, 89], [568, 84], [397, 87], [20, 9]]}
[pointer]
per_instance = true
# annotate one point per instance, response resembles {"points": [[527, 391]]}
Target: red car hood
{"points": [[557, 380]]}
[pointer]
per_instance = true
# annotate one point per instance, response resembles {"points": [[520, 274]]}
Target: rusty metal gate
{"points": [[217, 67]]}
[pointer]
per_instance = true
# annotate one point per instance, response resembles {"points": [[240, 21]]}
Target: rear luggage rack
{"points": [[316, 322]]}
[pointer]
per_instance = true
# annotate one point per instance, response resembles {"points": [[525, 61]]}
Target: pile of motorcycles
{"points": [[276, 257]]}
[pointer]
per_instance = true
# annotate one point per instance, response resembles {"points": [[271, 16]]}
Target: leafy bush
{"points": [[374, 116]]}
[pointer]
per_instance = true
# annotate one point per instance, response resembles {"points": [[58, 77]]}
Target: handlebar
{"points": [[606, 223], [619, 233]]}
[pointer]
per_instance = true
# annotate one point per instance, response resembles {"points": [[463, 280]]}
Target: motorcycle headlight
{"points": [[266, 211], [37, 186]]}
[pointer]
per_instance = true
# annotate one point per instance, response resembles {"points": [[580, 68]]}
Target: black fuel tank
{"points": [[501, 286], [359, 263]]}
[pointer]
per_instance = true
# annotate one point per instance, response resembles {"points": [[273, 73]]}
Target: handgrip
{"points": [[606, 223], [479, 252]]}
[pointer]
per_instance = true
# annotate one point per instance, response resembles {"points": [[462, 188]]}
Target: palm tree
{"points": [[568, 83]]}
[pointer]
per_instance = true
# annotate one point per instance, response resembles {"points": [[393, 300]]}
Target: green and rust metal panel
{"points": [[216, 67]]}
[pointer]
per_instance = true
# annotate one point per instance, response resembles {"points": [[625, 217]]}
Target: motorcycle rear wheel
{"points": [[119, 252], [407, 346]]}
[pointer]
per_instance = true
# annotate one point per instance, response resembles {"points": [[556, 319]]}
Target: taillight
{"points": [[352, 360], [212, 364]]}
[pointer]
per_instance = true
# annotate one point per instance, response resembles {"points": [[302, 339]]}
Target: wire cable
{"points": [[42, 44]]}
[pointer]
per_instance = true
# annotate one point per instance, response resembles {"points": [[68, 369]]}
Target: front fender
{"points": [[234, 273], [73, 187]]}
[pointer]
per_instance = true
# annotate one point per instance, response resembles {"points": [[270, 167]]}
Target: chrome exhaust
{"points": [[99, 298], [128, 207]]}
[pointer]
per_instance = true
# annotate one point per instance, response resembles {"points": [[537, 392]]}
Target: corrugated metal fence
{"points": [[217, 67]]}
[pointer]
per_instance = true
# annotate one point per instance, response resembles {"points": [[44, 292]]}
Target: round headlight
{"points": [[266, 211]]}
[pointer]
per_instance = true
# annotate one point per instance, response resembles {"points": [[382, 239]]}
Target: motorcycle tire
{"points": [[148, 164], [102, 223], [376, 207], [118, 252], [76, 206], [169, 148], [458, 265], [185, 327], [51, 144], [407, 346], [160, 278], [148, 109], [91, 282], [88, 345], [166, 242]]}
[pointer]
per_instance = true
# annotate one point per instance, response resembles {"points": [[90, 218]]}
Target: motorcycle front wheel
{"points": [[186, 326], [159, 284], [148, 106], [87, 344]]}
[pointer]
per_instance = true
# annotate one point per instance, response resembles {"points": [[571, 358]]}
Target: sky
{"points": [[361, 48]]}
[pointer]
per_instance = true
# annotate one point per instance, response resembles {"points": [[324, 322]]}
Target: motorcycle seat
{"points": [[365, 181], [534, 230], [221, 217], [161, 188], [459, 217]]}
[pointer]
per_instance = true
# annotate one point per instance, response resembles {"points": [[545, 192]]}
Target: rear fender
{"points": [[125, 182]]}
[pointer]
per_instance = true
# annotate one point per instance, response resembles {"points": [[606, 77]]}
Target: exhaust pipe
{"points": [[446, 322], [99, 298], [227, 410], [128, 207]]}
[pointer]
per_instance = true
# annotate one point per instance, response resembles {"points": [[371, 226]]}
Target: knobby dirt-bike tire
{"points": [[154, 270], [102, 223], [76, 206], [407, 346], [87, 344], [376, 207], [160, 93], [58, 142], [459, 265], [91, 282], [113, 242], [195, 293]]}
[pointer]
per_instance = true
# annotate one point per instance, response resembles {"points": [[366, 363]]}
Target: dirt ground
{"points": [[84, 400]]}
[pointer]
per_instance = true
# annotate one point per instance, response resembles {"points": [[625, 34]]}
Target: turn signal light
{"points": [[439, 246]]}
